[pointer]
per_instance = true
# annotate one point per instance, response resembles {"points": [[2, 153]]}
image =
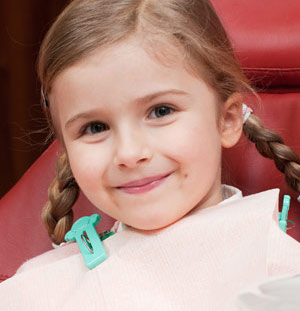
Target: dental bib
{"points": [[201, 262]]}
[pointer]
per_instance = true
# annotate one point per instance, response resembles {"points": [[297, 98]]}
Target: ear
{"points": [[231, 120]]}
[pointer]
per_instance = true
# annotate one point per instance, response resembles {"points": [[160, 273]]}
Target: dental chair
{"points": [[266, 38]]}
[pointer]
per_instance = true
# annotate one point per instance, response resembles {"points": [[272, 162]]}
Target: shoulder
{"points": [[50, 257]]}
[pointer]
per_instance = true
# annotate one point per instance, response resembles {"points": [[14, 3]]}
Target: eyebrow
{"points": [[152, 96], [140, 100]]}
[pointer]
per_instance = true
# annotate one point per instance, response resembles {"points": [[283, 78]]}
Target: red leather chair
{"points": [[265, 35]]}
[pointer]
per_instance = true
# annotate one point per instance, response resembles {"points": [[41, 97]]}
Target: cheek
{"points": [[193, 142], [197, 150], [88, 165]]}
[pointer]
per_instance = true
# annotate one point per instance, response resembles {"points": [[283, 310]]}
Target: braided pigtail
{"points": [[271, 145], [57, 214]]}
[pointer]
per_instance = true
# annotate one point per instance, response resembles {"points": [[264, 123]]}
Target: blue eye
{"points": [[95, 128], [161, 111]]}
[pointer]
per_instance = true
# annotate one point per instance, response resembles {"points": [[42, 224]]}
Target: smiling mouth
{"points": [[143, 185]]}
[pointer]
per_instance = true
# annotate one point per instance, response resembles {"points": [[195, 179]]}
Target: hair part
{"points": [[193, 26]]}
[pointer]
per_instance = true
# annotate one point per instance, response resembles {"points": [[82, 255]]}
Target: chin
{"points": [[155, 223]]}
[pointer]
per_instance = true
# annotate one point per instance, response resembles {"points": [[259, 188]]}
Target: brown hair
{"points": [[192, 26]]}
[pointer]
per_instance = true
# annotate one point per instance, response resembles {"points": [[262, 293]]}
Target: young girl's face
{"points": [[142, 138]]}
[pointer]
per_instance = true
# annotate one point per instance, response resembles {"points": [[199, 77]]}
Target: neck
{"points": [[212, 197]]}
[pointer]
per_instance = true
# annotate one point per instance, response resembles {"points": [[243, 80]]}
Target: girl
{"points": [[143, 95]]}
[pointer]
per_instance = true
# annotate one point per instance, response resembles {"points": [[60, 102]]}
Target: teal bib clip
{"points": [[283, 215], [84, 233]]}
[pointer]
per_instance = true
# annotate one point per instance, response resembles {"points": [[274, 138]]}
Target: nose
{"points": [[132, 148]]}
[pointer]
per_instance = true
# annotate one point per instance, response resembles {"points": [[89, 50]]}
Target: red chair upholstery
{"points": [[265, 36], [266, 39]]}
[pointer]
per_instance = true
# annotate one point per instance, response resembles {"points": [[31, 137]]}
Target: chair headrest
{"points": [[266, 38]]}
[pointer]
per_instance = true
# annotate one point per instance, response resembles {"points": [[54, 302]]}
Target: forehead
{"points": [[134, 50], [138, 58], [121, 73]]}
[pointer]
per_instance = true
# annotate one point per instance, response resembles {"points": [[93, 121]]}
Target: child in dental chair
{"points": [[143, 96]]}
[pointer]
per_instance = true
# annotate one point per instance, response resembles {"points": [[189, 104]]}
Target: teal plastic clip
{"points": [[84, 233], [283, 215]]}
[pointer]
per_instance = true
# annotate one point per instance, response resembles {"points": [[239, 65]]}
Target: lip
{"points": [[143, 185]]}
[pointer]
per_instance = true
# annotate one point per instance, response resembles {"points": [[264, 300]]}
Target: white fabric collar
{"points": [[230, 193]]}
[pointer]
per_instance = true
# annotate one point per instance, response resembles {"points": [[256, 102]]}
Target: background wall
{"points": [[22, 26]]}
